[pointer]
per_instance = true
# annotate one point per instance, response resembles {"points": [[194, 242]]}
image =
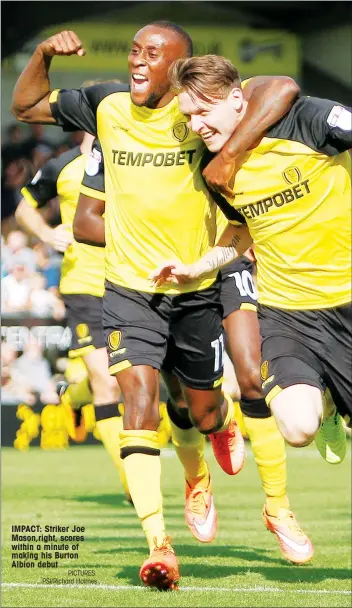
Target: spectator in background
{"points": [[19, 144], [8, 356], [32, 372], [12, 149], [11, 390], [3, 247], [21, 155], [48, 264], [44, 303], [15, 288], [39, 147], [71, 141], [13, 176], [16, 248]]}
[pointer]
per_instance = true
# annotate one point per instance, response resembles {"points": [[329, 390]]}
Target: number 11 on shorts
{"points": [[218, 346]]}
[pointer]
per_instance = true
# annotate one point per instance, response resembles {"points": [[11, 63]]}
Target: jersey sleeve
{"points": [[320, 124], [76, 109], [245, 82], [93, 179], [43, 187], [339, 129]]}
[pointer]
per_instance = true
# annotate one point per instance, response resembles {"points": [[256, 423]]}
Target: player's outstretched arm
{"points": [[269, 99], [234, 241], [88, 223], [30, 100], [29, 218]]}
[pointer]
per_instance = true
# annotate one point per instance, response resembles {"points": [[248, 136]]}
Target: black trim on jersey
{"points": [[95, 182], [307, 123], [76, 109], [228, 210], [46, 187]]}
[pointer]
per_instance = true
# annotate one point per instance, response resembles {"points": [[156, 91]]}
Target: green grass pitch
{"points": [[242, 567]]}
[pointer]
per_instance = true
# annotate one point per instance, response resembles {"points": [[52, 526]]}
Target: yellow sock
{"points": [[189, 446], [109, 429], [164, 428], [230, 415], [141, 458], [270, 455], [239, 419]]}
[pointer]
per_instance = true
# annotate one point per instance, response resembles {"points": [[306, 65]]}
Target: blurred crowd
{"points": [[29, 288], [24, 149], [29, 278], [30, 270], [26, 377]]}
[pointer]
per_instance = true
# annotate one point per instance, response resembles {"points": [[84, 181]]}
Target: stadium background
{"points": [[310, 41], [292, 38]]}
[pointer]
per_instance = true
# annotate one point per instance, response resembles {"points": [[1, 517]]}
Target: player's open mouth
{"points": [[139, 83], [206, 135]]}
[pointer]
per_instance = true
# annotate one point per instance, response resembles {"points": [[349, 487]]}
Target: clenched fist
{"points": [[219, 175], [64, 43]]}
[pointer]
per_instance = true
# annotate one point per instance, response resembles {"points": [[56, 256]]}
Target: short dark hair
{"points": [[169, 25]]}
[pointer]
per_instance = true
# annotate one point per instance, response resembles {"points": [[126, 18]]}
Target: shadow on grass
{"points": [[251, 554], [114, 499], [110, 500], [118, 501], [290, 574]]}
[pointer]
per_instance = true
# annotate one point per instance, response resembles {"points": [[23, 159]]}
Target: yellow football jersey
{"points": [[157, 204], [221, 223], [83, 266], [294, 192]]}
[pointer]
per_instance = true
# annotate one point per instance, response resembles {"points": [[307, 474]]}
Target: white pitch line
{"points": [[138, 588]]}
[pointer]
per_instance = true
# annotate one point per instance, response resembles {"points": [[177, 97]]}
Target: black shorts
{"points": [[180, 334], [307, 347], [238, 291], [84, 318]]}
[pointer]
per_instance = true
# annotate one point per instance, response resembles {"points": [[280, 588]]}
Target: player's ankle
{"points": [[274, 503]]}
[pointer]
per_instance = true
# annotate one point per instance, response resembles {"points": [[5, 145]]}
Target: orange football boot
{"points": [[229, 448], [160, 569], [200, 512], [295, 545]]}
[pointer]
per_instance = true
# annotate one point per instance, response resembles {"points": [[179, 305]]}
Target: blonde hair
{"points": [[206, 77]]}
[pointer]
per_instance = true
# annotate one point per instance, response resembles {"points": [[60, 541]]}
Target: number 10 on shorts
{"points": [[244, 284], [218, 346]]}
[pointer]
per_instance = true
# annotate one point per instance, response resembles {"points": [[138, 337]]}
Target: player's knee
{"points": [[300, 434], [298, 410], [205, 425], [207, 419], [178, 414], [141, 408]]}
